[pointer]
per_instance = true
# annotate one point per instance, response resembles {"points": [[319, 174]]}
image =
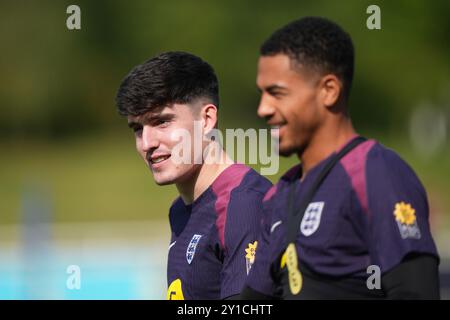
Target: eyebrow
{"points": [[271, 88], [275, 87], [150, 119]]}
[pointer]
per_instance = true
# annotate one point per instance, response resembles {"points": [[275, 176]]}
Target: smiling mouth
{"points": [[275, 130], [159, 159]]}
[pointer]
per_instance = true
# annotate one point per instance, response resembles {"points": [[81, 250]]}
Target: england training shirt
{"points": [[214, 239], [371, 210]]}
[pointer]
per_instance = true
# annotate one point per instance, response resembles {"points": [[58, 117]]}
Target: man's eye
{"points": [[162, 123], [276, 94]]}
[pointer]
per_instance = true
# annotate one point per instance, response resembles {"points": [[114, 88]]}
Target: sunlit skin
{"points": [[154, 142], [308, 108]]}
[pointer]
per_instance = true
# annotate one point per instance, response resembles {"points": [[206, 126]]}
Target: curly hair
{"points": [[315, 43]]}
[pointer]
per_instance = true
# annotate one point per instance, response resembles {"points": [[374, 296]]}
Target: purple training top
{"points": [[213, 239], [370, 210]]}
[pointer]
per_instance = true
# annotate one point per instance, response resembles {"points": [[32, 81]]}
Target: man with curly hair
{"points": [[352, 209]]}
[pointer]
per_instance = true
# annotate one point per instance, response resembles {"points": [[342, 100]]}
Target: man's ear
{"points": [[330, 90], [208, 115]]}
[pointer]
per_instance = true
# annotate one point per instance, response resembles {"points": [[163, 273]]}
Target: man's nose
{"points": [[265, 110], [149, 138]]}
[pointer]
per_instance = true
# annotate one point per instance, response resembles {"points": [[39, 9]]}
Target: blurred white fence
{"points": [[119, 260]]}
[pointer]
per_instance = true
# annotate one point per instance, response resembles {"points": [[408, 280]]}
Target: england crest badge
{"points": [[190, 251], [311, 218]]}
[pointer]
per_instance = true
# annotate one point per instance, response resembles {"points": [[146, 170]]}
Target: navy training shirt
{"points": [[214, 239], [370, 210]]}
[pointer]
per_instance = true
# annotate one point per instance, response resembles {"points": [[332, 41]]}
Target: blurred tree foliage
{"points": [[57, 83]]}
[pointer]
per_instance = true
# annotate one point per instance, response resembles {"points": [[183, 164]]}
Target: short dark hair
{"points": [[170, 77], [317, 43]]}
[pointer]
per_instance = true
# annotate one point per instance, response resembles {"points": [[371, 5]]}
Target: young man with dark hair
{"points": [[216, 219], [351, 207]]}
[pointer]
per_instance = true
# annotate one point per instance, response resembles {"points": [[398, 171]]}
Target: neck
{"points": [[203, 176], [327, 139]]}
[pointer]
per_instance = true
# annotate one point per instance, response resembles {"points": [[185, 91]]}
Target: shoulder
{"points": [[282, 183], [250, 192], [240, 178], [386, 158], [375, 171], [239, 192], [371, 166], [372, 156], [238, 189], [254, 183], [384, 164], [354, 163], [389, 176]]}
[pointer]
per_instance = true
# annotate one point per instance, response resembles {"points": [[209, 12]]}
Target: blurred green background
{"points": [[58, 123], [67, 159]]}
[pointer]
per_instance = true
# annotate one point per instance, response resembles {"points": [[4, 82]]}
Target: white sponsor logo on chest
{"points": [[311, 218], [190, 251]]}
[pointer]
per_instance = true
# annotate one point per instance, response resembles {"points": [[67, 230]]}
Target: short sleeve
{"points": [[260, 278], [241, 232], [397, 208]]}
